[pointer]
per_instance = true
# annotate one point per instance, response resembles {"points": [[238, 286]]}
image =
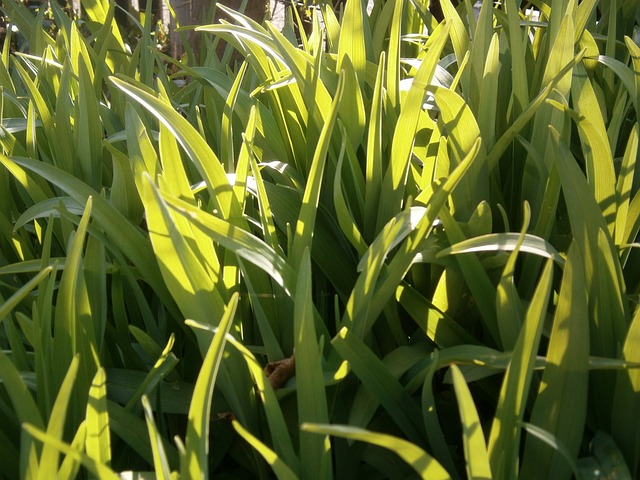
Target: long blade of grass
{"points": [[88, 131], [626, 402], [343, 211], [603, 274], [133, 431], [73, 328], [488, 107], [374, 167], [352, 107], [521, 121], [479, 58], [163, 366], [280, 434], [98, 443], [509, 309], [433, 427], [624, 188], [634, 51], [505, 242], [405, 129], [194, 145], [394, 55], [561, 405], [195, 463], [355, 38], [473, 442], [459, 34], [420, 461], [70, 466], [371, 371], [280, 468], [125, 236], [55, 428], [160, 461], [306, 220], [506, 429], [475, 276], [241, 242], [440, 328], [368, 298], [593, 135], [311, 397], [195, 292], [98, 469], [555, 444], [14, 300]]}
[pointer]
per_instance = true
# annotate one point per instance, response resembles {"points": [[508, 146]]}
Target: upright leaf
{"points": [[194, 462], [561, 404]]}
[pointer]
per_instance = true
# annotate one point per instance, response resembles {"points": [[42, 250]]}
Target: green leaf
{"points": [[311, 397], [374, 165], [459, 34], [624, 215], [463, 131], [405, 129], [506, 428], [487, 113], [475, 276], [475, 447], [125, 236], [70, 466], [194, 145], [503, 143], [376, 377], [56, 426], [345, 217], [99, 470], [240, 242], [634, 51], [439, 327], [555, 444], [282, 471], [98, 443], [602, 268], [437, 440], [131, 429], [368, 299], [626, 400], [88, 132], [163, 366], [194, 462], [12, 302], [505, 242], [281, 436], [355, 39], [191, 285], [420, 461], [307, 217], [561, 404], [73, 328], [160, 460], [509, 310], [352, 107]]}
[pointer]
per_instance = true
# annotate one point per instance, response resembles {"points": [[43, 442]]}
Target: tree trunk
{"points": [[193, 12]]}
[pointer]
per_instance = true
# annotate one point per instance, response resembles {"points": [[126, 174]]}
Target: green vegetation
{"points": [[379, 254]]}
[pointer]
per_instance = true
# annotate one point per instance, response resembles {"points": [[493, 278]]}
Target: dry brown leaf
{"points": [[279, 372]]}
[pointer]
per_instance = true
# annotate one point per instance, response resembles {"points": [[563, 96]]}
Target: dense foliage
{"points": [[391, 248]]}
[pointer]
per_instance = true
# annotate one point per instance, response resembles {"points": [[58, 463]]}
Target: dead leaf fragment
{"points": [[279, 372]]}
